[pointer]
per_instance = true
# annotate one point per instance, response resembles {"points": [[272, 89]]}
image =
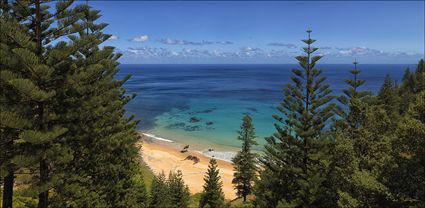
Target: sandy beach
{"points": [[166, 156]]}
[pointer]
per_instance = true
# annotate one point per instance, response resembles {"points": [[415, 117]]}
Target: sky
{"points": [[235, 32]]}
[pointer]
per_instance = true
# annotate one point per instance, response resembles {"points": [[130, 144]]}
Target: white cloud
{"points": [[142, 38], [244, 52], [149, 52], [287, 45], [169, 41], [113, 37], [277, 53], [365, 51], [252, 53], [224, 42]]}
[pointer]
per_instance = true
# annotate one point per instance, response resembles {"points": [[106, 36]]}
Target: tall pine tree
{"points": [[388, 97], [171, 192], [363, 149], [244, 162], [295, 156], [12, 112], [351, 101], [104, 140], [70, 119], [35, 71], [179, 192], [420, 75], [212, 196], [160, 193], [351, 112], [351, 143]]}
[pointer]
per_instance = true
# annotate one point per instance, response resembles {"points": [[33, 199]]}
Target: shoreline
{"points": [[219, 155], [161, 154]]}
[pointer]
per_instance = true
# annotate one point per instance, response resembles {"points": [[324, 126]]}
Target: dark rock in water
{"points": [[209, 110], [209, 123], [252, 109], [179, 125], [192, 128], [203, 111], [194, 120], [210, 149]]}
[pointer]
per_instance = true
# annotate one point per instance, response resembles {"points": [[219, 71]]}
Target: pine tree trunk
{"points": [[43, 196], [8, 190], [44, 171]]}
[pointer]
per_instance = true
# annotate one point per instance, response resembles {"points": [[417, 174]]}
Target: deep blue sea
{"points": [[203, 104]]}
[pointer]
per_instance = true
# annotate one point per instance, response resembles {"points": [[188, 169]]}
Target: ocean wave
{"points": [[226, 156], [157, 138]]}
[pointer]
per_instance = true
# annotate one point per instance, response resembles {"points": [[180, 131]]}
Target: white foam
{"points": [[225, 156], [157, 138]]}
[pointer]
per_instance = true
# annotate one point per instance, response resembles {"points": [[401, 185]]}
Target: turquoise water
{"points": [[219, 121], [203, 105]]}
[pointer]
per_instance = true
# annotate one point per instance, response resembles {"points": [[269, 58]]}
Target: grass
{"points": [[147, 175]]}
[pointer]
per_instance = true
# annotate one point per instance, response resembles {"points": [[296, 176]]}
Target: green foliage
{"points": [[346, 201], [296, 158], [359, 159], [35, 140], [409, 82], [179, 192], [405, 174], [412, 83], [420, 75], [171, 192], [245, 161], [269, 188], [63, 126], [194, 200], [63, 111], [160, 193], [212, 196], [137, 196], [240, 203], [350, 111], [388, 97], [371, 160], [147, 175]]}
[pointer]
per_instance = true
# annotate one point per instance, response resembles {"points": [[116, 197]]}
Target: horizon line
{"points": [[263, 64]]}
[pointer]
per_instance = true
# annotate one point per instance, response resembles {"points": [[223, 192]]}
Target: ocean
{"points": [[203, 105]]}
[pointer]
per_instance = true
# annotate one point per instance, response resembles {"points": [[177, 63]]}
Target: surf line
{"points": [[157, 138]]}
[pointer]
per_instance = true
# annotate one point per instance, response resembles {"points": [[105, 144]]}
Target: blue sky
{"points": [[263, 32]]}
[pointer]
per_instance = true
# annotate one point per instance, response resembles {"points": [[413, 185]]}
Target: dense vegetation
{"points": [[171, 192], [63, 130], [370, 153], [65, 141]]}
